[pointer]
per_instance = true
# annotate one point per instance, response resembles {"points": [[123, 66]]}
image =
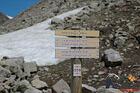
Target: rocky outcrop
{"points": [[3, 18]]}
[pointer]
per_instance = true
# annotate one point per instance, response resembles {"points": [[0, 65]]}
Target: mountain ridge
{"points": [[3, 18]]}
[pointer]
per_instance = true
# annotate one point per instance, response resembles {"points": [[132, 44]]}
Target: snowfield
{"points": [[35, 43]]}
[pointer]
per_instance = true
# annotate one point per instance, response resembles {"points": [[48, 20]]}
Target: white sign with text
{"points": [[77, 70]]}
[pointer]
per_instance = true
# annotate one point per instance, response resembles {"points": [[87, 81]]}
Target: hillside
{"points": [[31, 35]]}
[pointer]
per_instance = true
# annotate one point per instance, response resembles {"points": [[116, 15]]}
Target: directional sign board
{"points": [[77, 53], [77, 33], [77, 42], [82, 38]]}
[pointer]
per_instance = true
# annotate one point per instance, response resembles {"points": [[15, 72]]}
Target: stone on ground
{"points": [[32, 90], [4, 72], [112, 90], [88, 89], [37, 83], [61, 87], [29, 68]]}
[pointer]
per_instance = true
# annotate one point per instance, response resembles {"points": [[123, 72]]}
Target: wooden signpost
{"points": [[76, 47]]}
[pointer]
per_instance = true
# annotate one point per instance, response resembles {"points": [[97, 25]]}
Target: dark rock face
{"points": [[3, 18], [138, 39]]}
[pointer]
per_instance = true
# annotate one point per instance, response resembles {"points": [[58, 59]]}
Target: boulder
{"points": [[32, 90], [88, 89], [4, 72], [16, 70], [23, 85], [112, 58], [13, 61], [14, 64], [61, 87], [37, 83], [29, 68]]}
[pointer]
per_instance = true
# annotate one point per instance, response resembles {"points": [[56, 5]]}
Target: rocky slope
{"points": [[118, 24], [40, 12], [3, 18]]}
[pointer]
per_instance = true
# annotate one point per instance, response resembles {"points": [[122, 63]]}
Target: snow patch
{"points": [[10, 17], [35, 43]]}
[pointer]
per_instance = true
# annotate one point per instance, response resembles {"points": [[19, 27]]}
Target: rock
{"points": [[32, 90], [120, 38], [23, 85], [119, 41], [47, 91], [101, 72], [16, 70], [112, 90], [130, 45], [56, 21], [96, 76], [138, 38], [61, 87], [131, 28], [112, 58], [101, 89], [107, 43], [13, 61], [14, 64], [85, 69], [46, 68], [88, 89], [29, 68], [4, 72], [111, 36], [1, 87], [37, 83], [93, 68]]}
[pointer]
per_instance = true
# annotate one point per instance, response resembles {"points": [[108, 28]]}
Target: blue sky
{"points": [[14, 7]]}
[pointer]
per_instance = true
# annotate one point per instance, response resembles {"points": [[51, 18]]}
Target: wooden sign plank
{"points": [[77, 42], [77, 53], [91, 33]]}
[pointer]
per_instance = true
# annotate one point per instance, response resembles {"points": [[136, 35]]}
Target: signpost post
{"points": [[76, 47]]}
